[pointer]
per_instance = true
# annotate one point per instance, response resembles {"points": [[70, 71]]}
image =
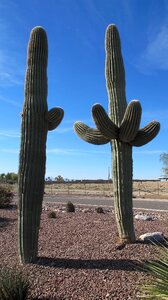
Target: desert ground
{"points": [[78, 256]]}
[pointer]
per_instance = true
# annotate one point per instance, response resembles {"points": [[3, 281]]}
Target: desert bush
{"points": [[70, 207], [157, 288], [52, 214], [99, 210], [13, 285], [6, 196]]}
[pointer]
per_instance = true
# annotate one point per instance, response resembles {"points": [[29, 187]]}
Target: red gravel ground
{"points": [[78, 258]]}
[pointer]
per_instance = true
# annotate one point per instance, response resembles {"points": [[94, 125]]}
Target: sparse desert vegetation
{"points": [[154, 189], [141, 188], [6, 196]]}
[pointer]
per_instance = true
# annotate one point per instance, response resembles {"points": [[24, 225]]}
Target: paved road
{"points": [[156, 204]]}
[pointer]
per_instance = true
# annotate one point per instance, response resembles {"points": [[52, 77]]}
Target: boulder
{"points": [[153, 237], [143, 217]]}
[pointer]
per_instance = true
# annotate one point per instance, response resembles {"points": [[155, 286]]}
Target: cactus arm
{"points": [[131, 121], [115, 75], [146, 134], [54, 117], [103, 122], [90, 135]]}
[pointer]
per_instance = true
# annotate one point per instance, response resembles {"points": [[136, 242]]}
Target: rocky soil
{"points": [[79, 258]]}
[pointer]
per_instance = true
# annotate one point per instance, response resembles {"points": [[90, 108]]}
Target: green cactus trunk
{"points": [[35, 124], [33, 147], [121, 129], [122, 190], [121, 152]]}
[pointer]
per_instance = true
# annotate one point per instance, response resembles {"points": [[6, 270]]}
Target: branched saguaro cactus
{"points": [[121, 129], [36, 121]]}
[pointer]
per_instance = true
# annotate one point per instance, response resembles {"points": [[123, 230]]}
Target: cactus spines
{"points": [[54, 117], [130, 122], [146, 134], [36, 121], [103, 122], [121, 128], [115, 75], [90, 135]]}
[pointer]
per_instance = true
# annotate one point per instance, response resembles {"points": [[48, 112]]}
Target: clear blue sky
{"points": [[76, 80]]}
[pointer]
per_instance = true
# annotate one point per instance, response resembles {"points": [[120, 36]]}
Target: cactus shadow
{"points": [[100, 264], [47, 298], [4, 222]]}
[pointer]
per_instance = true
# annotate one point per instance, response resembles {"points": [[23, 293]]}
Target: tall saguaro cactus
{"points": [[121, 129], [36, 121]]}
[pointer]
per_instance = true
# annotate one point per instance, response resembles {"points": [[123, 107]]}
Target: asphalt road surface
{"points": [[150, 204]]}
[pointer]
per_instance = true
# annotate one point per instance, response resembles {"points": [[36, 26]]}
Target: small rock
{"points": [[152, 237], [45, 208], [107, 295], [85, 210], [57, 209], [143, 217]]}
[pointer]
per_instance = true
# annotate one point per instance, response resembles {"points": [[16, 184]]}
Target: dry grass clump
{"points": [[6, 196], [70, 207], [52, 214]]}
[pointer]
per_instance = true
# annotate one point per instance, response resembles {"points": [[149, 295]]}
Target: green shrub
{"points": [[6, 196], [157, 288], [52, 214], [99, 210], [70, 207], [13, 285]]}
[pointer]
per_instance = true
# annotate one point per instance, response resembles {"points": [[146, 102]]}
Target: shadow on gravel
{"points": [[4, 222], [101, 264], [47, 298]]}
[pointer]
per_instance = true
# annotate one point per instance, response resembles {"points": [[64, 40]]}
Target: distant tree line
{"points": [[59, 178], [164, 159]]}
